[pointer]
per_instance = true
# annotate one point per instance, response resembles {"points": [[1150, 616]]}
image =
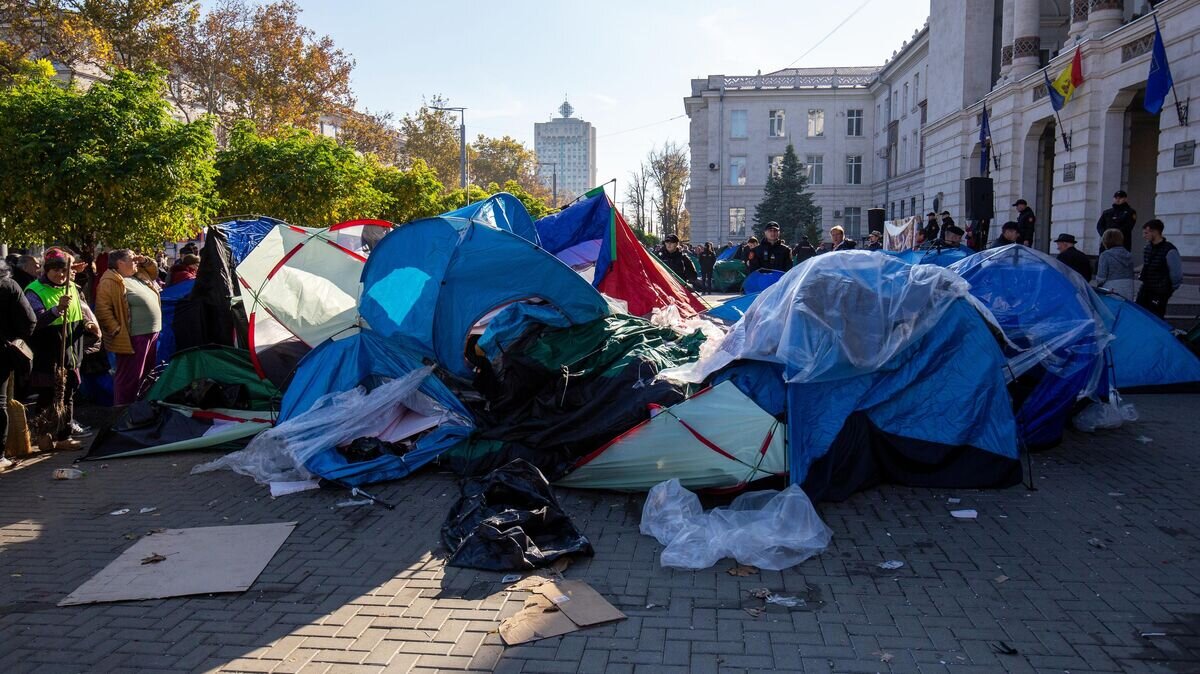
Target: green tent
{"points": [[207, 397], [728, 276]]}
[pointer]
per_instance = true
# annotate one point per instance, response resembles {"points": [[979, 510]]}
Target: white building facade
{"points": [[923, 111], [566, 152]]}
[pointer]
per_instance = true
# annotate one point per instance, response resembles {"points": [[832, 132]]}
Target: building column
{"points": [[1006, 39], [1079, 19], [1027, 42], [1105, 16]]}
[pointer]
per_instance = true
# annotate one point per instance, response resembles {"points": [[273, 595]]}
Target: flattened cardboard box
{"points": [[556, 608]]}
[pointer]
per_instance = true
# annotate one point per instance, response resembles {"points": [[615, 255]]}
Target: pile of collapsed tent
{"points": [[483, 341]]}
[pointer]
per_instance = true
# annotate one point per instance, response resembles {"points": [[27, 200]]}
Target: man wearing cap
{"points": [[1026, 221], [1120, 217], [1071, 256], [875, 241], [803, 250], [771, 253], [932, 229], [1009, 233], [676, 260]]}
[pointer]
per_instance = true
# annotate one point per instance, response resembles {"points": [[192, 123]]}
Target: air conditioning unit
{"points": [[837, 214], [713, 166]]}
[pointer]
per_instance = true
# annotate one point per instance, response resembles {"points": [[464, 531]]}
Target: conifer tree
{"points": [[787, 201]]}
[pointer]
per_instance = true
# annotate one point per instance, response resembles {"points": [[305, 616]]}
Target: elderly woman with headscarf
{"points": [[63, 322], [131, 315]]}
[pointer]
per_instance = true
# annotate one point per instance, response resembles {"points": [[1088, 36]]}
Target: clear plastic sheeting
{"points": [[1044, 307], [671, 317], [836, 316], [1105, 415], [393, 411], [767, 529]]}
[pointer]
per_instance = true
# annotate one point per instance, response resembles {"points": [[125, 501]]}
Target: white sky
{"points": [[626, 66]]}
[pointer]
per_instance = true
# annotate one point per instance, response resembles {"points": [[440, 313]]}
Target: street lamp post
{"points": [[554, 179], [463, 180]]}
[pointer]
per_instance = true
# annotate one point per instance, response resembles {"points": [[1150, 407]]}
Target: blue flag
{"points": [[1056, 98], [1159, 82], [985, 143]]}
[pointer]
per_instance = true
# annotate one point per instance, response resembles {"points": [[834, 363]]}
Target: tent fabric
{"points": [[302, 286], [1144, 354], [499, 211], [1057, 322], [172, 297], [867, 333], [727, 254], [428, 283], [732, 310], [717, 439], [210, 314], [561, 393], [761, 279], [728, 276], [222, 364], [246, 233], [591, 236], [937, 255]]}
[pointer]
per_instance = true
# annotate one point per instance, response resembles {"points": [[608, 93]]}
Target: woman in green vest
{"points": [[54, 300]]}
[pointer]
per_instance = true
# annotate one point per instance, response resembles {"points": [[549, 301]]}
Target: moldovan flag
{"points": [[1064, 85]]}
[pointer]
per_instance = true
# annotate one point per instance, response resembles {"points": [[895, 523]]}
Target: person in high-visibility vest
{"points": [[55, 299]]}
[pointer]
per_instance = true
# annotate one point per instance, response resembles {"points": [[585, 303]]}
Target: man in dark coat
{"points": [[1121, 217], [1071, 256], [932, 229], [1009, 233], [771, 253], [1162, 270], [16, 322], [28, 269], [875, 241], [1026, 221], [677, 260], [803, 250]]}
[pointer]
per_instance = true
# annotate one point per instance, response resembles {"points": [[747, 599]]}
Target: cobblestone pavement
{"points": [[363, 589]]}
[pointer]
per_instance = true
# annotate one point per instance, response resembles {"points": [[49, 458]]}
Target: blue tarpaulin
{"points": [[1144, 353], [171, 296], [761, 279], [245, 233]]}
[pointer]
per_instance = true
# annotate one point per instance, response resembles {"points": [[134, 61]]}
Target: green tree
{"points": [[410, 195], [296, 175], [504, 160], [110, 165], [668, 169], [787, 201], [537, 204], [432, 136]]}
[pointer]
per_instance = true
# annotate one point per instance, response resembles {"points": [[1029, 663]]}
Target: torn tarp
{"points": [[510, 519]]}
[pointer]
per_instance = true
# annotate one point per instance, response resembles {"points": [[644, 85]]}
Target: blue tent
{"points": [[171, 297], [367, 359], [886, 373], [1057, 322], [1144, 354], [727, 254], [761, 279], [734, 309], [942, 257], [431, 283], [245, 233]]}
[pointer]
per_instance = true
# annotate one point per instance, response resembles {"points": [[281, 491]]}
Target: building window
{"points": [[901, 208], [904, 104], [816, 168], [916, 89], [737, 124], [854, 169], [903, 161], [816, 123], [892, 211], [737, 221], [913, 206], [854, 122], [914, 146], [922, 157], [852, 220], [878, 116], [737, 170], [776, 124], [774, 164]]}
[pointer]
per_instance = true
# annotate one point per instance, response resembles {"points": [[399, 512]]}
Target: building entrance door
{"points": [[1045, 187], [1139, 170]]}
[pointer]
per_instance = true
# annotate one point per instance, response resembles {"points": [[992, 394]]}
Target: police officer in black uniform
{"points": [[1121, 216], [676, 260], [931, 230], [1026, 221], [771, 253]]}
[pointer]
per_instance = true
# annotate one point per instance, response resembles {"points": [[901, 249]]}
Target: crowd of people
{"points": [[58, 310], [1160, 276]]}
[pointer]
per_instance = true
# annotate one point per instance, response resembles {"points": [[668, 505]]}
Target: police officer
{"points": [[1121, 217], [1026, 221], [931, 230], [676, 260], [771, 253], [1009, 234]]}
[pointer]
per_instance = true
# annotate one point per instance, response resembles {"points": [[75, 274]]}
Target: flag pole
{"points": [[1181, 107]]}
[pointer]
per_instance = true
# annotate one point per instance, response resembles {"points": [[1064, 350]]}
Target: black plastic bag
{"points": [[510, 520]]}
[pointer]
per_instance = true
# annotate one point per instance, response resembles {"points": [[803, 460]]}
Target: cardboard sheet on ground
{"points": [[556, 608], [194, 561]]}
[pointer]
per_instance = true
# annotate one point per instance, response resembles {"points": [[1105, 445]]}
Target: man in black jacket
{"points": [[771, 253], [1162, 270], [677, 260], [1120, 217], [931, 229], [1026, 221], [1071, 256], [803, 250], [1009, 233], [17, 321]]}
